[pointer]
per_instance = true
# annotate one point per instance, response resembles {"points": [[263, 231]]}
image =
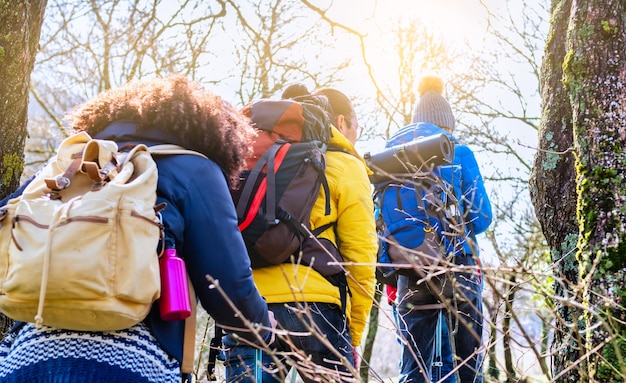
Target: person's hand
{"points": [[273, 324], [356, 355]]}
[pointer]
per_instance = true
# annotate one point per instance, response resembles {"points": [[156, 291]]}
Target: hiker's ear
{"points": [[340, 121]]}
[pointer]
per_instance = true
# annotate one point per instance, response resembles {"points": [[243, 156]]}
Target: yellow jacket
{"points": [[353, 211]]}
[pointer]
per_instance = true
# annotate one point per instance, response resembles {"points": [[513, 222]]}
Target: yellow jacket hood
{"points": [[339, 142]]}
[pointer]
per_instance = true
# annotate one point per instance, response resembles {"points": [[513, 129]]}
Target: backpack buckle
{"points": [[57, 184]]}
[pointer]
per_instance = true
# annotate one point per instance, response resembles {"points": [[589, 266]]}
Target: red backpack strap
{"points": [[273, 157]]}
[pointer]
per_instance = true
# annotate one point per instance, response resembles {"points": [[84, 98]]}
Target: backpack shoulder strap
{"points": [[170, 149], [189, 342]]}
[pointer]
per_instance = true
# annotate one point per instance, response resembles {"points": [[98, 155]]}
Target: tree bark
{"points": [[595, 74], [553, 193], [20, 27], [584, 108]]}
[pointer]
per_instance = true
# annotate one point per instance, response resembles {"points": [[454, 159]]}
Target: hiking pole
{"points": [[258, 365], [438, 360]]}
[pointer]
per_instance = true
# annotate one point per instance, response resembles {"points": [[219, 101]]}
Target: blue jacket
{"points": [[466, 179], [200, 217]]}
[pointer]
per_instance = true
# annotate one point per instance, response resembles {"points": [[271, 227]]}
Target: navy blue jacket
{"points": [[200, 217]]}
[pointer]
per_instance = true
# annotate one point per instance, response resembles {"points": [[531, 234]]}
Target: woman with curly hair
{"points": [[199, 217]]}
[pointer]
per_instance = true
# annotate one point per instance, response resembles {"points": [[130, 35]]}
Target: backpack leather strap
{"points": [[59, 183], [189, 342]]}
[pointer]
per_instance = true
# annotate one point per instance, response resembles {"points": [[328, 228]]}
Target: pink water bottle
{"points": [[174, 303]]}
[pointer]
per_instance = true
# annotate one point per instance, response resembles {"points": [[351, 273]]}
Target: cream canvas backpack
{"points": [[78, 247]]}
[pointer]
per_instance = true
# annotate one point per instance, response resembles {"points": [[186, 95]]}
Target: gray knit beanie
{"points": [[431, 106]]}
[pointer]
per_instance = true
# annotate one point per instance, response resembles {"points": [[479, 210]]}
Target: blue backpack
{"points": [[419, 219]]}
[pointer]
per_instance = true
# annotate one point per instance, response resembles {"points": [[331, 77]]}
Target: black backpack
{"points": [[282, 181], [280, 186]]}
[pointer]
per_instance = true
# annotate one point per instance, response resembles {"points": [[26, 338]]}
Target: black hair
{"points": [[340, 103]]}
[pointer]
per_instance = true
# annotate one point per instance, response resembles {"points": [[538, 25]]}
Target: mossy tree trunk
{"points": [[553, 192], [595, 76], [589, 100], [20, 27]]}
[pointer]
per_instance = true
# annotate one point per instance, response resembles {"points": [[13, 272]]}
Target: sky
{"points": [[462, 22], [459, 18]]}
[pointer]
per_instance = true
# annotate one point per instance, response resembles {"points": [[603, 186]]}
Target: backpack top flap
{"points": [[290, 120], [63, 162]]}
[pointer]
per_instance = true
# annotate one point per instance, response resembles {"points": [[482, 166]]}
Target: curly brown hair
{"points": [[201, 120]]}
